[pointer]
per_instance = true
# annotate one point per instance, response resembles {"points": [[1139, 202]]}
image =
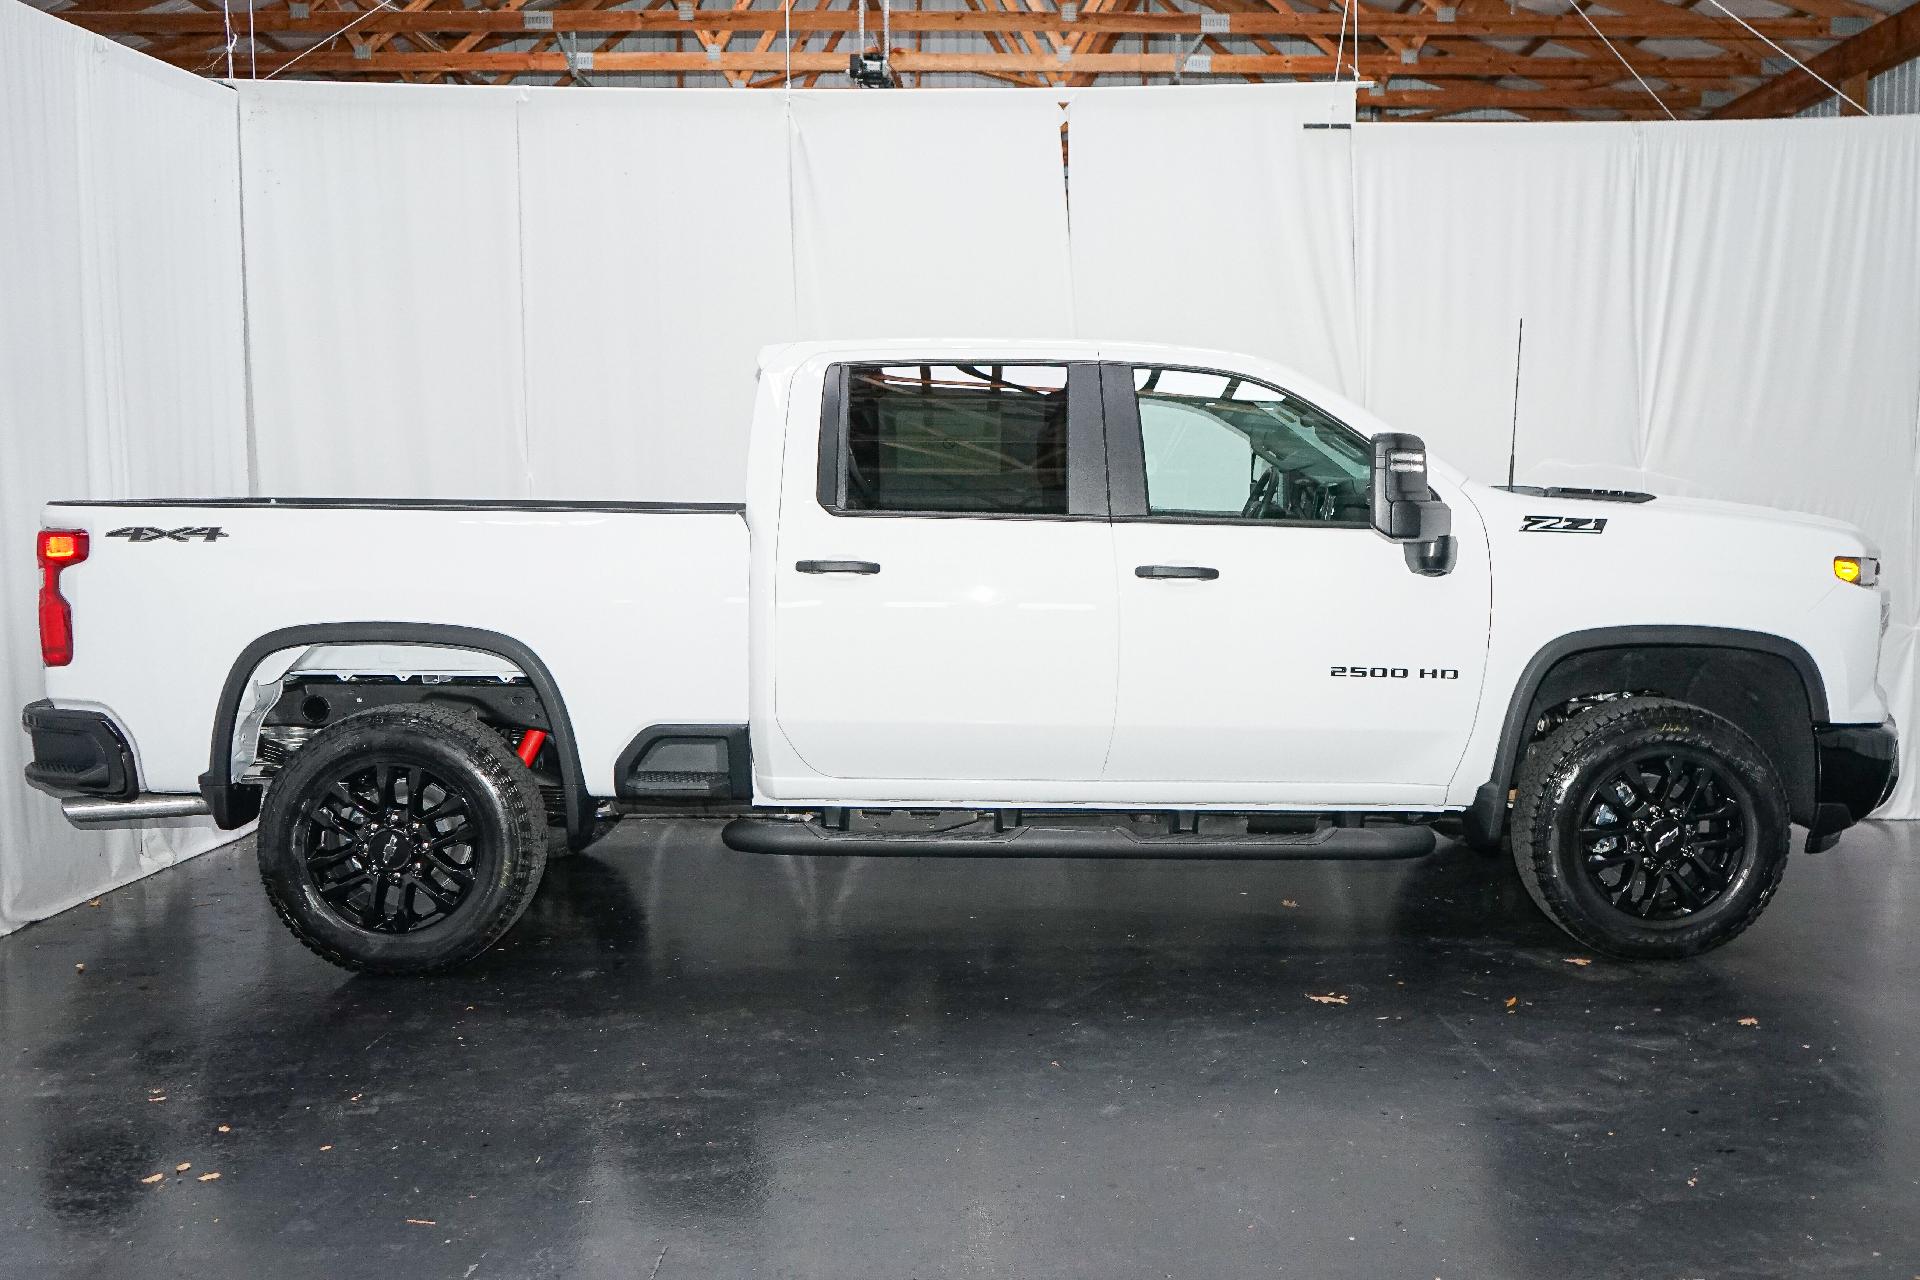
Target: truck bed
{"points": [[612, 597]]}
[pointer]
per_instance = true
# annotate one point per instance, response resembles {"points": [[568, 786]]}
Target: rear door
{"points": [[945, 605]]}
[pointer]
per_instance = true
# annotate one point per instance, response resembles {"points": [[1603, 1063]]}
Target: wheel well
{"points": [[1759, 692], [1766, 686], [525, 696]]}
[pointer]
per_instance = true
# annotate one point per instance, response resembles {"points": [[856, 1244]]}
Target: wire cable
{"points": [[321, 44], [1340, 49], [1836, 90], [1623, 61], [1356, 42]]}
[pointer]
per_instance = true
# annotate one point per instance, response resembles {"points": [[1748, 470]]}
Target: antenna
{"points": [[1513, 438]]}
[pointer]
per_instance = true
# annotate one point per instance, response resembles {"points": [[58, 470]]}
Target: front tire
{"points": [[1650, 829], [402, 840]]}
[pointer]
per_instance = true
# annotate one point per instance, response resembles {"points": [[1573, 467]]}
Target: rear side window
{"points": [[989, 439]]}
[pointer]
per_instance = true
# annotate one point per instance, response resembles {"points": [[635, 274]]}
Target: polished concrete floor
{"points": [[689, 1062]]}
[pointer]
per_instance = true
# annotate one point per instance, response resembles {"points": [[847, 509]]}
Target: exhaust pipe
{"points": [[84, 811]]}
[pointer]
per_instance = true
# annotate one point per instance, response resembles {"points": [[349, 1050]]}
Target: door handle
{"points": [[1199, 571], [837, 566]]}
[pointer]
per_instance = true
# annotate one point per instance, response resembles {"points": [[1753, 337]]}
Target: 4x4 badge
{"points": [[188, 533]]}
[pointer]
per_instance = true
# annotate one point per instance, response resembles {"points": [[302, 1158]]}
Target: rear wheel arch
{"points": [[235, 804], [1766, 685]]}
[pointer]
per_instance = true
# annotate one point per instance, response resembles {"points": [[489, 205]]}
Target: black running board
{"points": [[773, 835]]}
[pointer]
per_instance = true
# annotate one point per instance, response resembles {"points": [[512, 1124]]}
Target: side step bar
{"points": [[773, 835], [88, 812]]}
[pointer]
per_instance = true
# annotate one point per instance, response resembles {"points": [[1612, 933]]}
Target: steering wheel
{"points": [[1260, 497]]}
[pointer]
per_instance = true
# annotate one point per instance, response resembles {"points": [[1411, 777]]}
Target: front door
{"points": [[945, 607], [1267, 635]]}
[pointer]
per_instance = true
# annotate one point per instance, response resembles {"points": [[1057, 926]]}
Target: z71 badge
{"points": [[1562, 524], [188, 533]]}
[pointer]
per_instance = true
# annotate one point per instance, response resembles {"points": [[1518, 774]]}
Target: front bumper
{"points": [[77, 753], [1857, 766]]}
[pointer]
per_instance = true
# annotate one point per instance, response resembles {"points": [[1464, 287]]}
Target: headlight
{"points": [[1862, 571]]}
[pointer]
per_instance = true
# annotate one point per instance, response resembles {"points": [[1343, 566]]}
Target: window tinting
{"points": [[988, 438], [1221, 445]]}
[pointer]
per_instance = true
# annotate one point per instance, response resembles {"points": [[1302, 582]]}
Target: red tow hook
{"points": [[530, 745]]}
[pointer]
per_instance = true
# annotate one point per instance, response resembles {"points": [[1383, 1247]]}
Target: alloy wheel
{"points": [[390, 847], [1664, 834]]}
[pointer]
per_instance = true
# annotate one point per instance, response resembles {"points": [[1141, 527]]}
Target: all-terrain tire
{"points": [[493, 870], [1559, 788]]}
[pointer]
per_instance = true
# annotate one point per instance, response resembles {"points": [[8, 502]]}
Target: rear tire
{"points": [[402, 840], [1650, 829]]}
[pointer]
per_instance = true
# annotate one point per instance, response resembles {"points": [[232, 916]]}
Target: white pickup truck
{"points": [[988, 600]]}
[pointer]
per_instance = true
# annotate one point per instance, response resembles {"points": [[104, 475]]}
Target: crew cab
{"points": [[986, 599]]}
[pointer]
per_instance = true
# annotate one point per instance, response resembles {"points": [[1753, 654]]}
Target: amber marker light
{"points": [[1863, 571]]}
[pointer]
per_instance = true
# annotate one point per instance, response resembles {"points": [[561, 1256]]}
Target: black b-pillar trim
{"points": [[1126, 455], [832, 474], [1086, 441], [234, 805], [1486, 818]]}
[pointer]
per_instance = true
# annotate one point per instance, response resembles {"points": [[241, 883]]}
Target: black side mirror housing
{"points": [[1403, 508]]}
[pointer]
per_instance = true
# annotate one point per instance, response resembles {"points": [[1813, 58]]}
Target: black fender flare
{"points": [[1486, 818], [234, 805]]}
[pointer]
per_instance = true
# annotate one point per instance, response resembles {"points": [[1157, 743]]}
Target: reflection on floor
{"points": [[688, 1062]]}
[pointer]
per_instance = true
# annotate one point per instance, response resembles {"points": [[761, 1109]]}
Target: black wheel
{"points": [[1650, 829], [404, 839]]}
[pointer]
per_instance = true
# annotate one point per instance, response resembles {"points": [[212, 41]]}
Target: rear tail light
{"points": [[56, 549]]}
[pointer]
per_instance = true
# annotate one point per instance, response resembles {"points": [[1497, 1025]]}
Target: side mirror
{"points": [[1402, 507]]}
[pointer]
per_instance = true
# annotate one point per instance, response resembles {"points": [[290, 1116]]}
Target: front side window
{"points": [[989, 439], [1220, 445]]}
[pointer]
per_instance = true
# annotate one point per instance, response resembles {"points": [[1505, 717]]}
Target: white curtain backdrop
{"points": [[121, 365], [1214, 216], [559, 292], [652, 274], [1458, 242], [383, 245], [943, 214]]}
